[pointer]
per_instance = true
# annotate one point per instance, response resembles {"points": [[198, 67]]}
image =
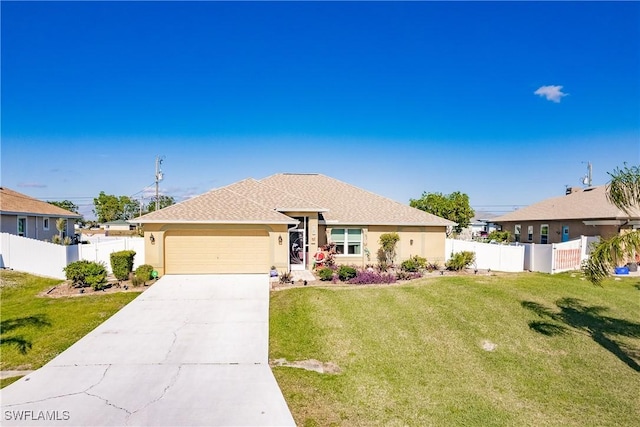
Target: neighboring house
{"points": [[119, 225], [282, 220], [480, 225], [28, 217], [559, 219]]}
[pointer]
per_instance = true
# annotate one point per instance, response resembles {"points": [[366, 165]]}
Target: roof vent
{"points": [[571, 190]]}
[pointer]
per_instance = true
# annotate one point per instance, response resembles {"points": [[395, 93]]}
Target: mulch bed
{"points": [[66, 289]]}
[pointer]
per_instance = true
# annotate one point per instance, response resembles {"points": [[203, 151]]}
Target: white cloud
{"points": [[552, 93]]}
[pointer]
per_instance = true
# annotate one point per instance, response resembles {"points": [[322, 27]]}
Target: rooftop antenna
{"points": [[588, 178], [159, 177]]}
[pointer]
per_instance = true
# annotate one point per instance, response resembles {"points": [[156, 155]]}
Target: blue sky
{"points": [[396, 98]]}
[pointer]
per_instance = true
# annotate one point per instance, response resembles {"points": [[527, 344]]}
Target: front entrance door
{"points": [[565, 233], [297, 249]]}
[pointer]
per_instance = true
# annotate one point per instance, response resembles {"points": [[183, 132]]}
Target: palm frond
{"points": [[609, 254], [624, 189]]}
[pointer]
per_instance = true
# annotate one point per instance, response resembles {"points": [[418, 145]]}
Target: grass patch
{"points": [[36, 329], [527, 349], [6, 381]]}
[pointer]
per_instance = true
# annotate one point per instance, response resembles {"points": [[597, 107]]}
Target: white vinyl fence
{"points": [[35, 256], [101, 250], [48, 259], [489, 256], [558, 257]]}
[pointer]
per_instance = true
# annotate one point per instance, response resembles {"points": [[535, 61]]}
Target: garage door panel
{"points": [[223, 251]]}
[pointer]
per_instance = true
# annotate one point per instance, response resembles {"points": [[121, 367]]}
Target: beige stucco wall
{"points": [[427, 242], [154, 252], [576, 229]]}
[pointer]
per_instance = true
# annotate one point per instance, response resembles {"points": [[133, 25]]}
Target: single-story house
{"points": [[480, 225], [26, 216], [581, 212], [118, 225], [281, 221]]}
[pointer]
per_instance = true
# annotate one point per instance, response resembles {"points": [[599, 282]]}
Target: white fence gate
{"points": [[489, 256], [558, 257], [48, 259]]}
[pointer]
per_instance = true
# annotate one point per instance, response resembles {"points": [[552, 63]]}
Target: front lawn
{"points": [[527, 350], [35, 329]]}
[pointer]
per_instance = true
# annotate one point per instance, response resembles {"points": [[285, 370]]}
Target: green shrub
{"points": [[345, 272], [432, 266], [86, 273], [413, 264], [499, 236], [325, 274], [143, 273], [460, 260], [122, 264]]}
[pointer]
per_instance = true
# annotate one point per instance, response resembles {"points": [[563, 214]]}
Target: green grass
{"points": [[35, 329], [567, 352]]}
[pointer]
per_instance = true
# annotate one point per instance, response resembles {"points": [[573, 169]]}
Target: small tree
{"points": [[61, 225], [388, 242]]}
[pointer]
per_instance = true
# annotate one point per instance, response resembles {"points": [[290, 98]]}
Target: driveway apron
{"points": [[190, 351]]}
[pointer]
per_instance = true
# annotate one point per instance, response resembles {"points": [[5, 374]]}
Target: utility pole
{"points": [[158, 179]]}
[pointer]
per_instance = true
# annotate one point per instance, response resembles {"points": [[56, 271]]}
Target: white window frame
{"points": [[517, 232], [345, 244], [530, 233], [544, 236], [45, 223], [24, 232]]}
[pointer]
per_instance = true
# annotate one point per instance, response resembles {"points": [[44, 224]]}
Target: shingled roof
{"points": [[218, 206], [348, 204], [587, 204], [12, 202], [253, 201]]}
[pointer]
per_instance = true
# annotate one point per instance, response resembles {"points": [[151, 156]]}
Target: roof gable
{"points": [[590, 203], [12, 202], [348, 204], [222, 205]]}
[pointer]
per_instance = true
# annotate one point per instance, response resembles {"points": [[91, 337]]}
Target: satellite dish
{"points": [[585, 180]]}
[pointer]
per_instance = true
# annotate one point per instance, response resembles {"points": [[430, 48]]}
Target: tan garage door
{"points": [[219, 251]]}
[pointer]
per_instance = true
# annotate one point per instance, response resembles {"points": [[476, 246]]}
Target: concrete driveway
{"points": [[189, 351]]}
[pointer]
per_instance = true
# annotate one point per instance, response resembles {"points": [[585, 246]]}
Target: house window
{"points": [[544, 234], [530, 233], [516, 232], [22, 226], [348, 240], [45, 223]]}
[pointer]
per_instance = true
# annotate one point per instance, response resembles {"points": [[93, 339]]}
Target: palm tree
{"points": [[624, 192]]}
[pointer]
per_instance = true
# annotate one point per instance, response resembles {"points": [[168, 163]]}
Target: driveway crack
{"points": [[104, 374], [172, 382], [64, 395], [175, 338]]}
